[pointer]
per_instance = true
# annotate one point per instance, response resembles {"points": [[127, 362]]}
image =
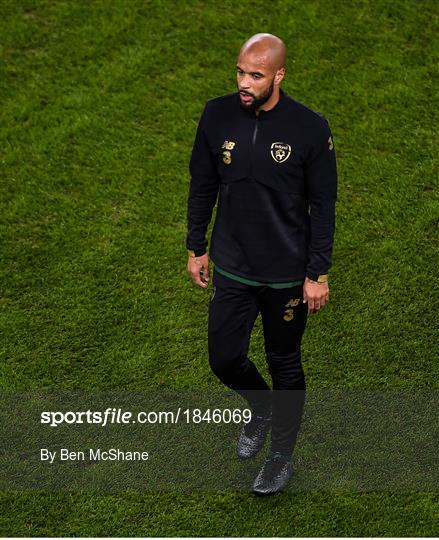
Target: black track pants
{"points": [[233, 309]]}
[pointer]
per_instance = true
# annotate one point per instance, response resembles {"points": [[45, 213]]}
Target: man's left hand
{"points": [[316, 294]]}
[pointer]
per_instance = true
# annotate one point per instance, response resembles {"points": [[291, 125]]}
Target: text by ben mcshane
{"points": [[92, 454]]}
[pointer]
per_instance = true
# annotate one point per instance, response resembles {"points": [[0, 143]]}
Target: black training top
{"points": [[277, 181]]}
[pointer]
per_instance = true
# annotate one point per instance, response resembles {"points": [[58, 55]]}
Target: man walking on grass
{"points": [[271, 159]]}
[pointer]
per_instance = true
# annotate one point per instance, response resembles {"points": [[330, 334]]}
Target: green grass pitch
{"points": [[99, 102]]}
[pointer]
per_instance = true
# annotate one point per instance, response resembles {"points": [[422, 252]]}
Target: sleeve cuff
{"points": [[196, 252], [320, 278]]}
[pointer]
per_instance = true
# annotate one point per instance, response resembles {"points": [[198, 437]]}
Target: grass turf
{"points": [[99, 104]]}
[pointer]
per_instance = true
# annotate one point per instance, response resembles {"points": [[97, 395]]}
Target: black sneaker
{"points": [[274, 475], [253, 435]]}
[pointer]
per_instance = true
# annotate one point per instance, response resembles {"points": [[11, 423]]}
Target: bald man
{"points": [[270, 160]]}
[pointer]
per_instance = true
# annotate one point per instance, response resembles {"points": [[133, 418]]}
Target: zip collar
{"points": [[277, 108]]}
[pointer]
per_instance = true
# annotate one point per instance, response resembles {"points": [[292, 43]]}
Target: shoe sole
{"points": [[269, 494]]}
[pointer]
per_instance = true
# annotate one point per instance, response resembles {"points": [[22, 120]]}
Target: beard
{"points": [[257, 101]]}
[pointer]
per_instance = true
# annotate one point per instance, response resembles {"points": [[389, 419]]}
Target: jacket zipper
{"points": [[255, 133]]}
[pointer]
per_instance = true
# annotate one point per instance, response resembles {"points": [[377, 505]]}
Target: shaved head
{"points": [[269, 49], [260, 71]]}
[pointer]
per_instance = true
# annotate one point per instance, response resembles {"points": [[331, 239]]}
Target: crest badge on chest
{"points": [[280, 151]]}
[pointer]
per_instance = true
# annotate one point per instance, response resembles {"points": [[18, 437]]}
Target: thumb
{"points": [[305, 296], [206, 272]]}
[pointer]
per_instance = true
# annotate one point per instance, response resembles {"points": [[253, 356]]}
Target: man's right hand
{"points": [[198, 268]]}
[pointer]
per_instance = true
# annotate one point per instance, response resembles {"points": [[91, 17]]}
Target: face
{"points": [[255, 80]]}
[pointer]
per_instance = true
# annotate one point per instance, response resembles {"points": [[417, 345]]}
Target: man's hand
{"points": [[198, 268], [316, 294]]}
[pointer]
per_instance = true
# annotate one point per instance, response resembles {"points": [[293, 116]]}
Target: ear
{"points": [[280, 74]]}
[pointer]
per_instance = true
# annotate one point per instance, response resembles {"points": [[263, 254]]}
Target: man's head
{"points": [[260, 70]]}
